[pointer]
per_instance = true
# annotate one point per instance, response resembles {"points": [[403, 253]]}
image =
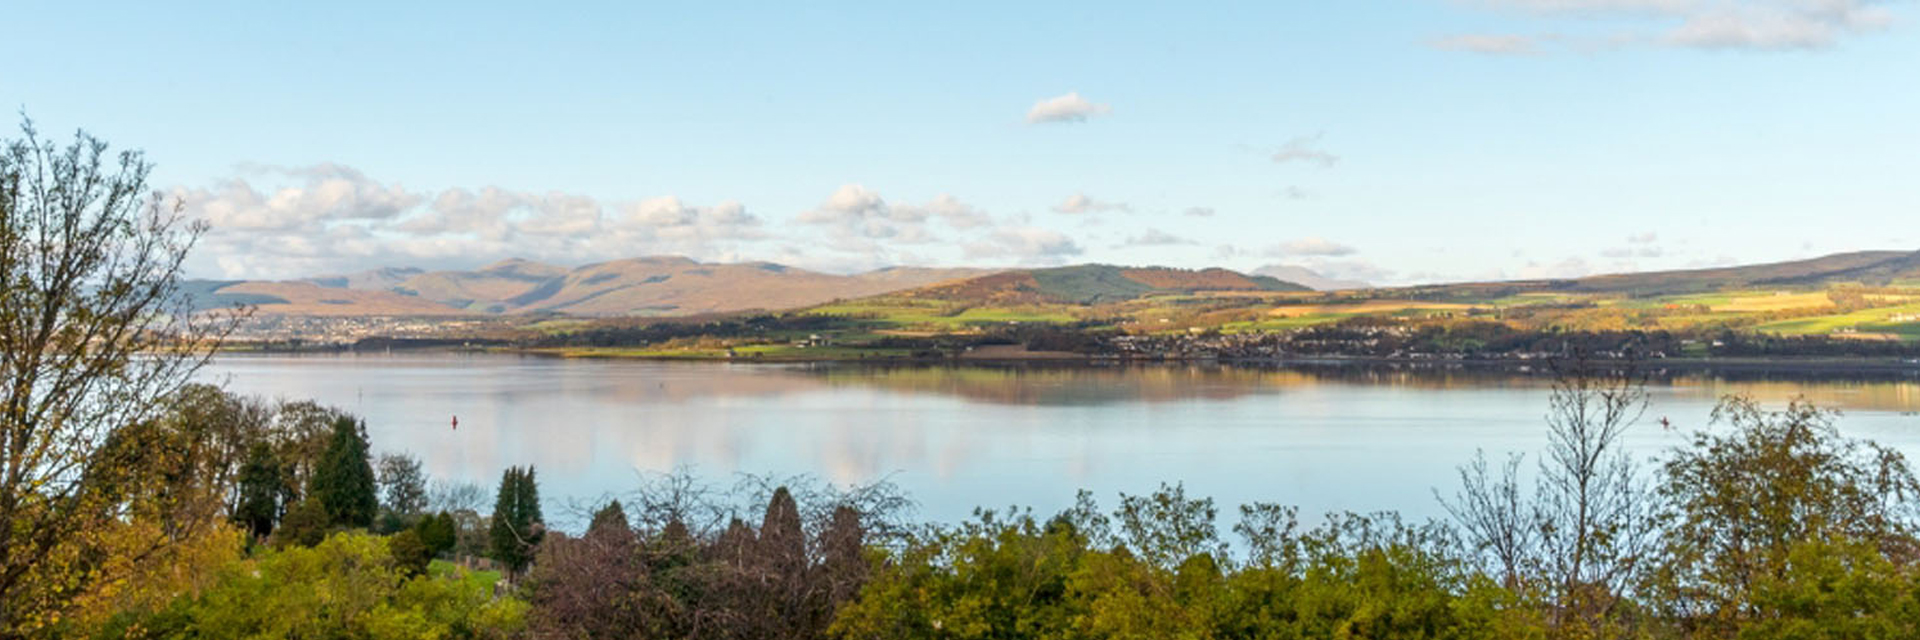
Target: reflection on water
{"points": [[1081, 385], [1324, 437]]}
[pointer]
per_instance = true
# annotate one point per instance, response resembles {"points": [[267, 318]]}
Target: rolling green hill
{"points": [[1051, 295], [1090, 284]]}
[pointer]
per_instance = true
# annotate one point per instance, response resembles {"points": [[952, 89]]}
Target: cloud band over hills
{"points": [[287, 222]]}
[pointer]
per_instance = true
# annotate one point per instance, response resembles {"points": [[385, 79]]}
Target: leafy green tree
{"points": [[993, 577], [1742, 503], [410, 555], [259, 491], [348, 586], [305, 525], [1354, 577], [301, 433], [228, 427], [438, 532], [473, 534], [403, 485], [517, 525], [610, 519], [343, 482], [94, 341], [1833, 590], [1166, 528]]}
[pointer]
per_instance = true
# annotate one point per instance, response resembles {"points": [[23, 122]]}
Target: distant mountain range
{"points": [[651, 286], [677, 286]]}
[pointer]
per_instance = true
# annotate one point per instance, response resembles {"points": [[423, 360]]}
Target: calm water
{"points": [[1326, 438]]}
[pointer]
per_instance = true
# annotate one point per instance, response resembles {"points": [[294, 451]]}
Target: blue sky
{"points": [[1405, 141]]}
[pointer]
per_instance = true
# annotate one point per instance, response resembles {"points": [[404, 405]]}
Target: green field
{"points": [[933, 315], [1277, 323], [754, 352], [1867, 321], [444, 569], [856, 329], [1744, 309]]}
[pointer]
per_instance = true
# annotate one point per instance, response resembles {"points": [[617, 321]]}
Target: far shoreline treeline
{"points": [[1837, 367], [813, 338]]}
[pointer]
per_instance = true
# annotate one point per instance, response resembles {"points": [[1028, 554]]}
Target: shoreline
{"points": [[1797, 364]]}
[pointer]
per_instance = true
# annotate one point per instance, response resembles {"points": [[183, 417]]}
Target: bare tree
{"points": [[94, 341], [679, 496], [456, 497], [1497, 520], [1581, 540], [885, 511], [1595, 515]]}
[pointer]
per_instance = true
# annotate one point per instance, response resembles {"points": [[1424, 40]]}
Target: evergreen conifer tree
{"points": [[611, 520], [517, 524], [343, 482], [259, 482]]}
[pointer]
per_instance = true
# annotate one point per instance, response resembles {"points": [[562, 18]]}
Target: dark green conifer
{"points": [[517, 525], [258, 508], [343, 482]]}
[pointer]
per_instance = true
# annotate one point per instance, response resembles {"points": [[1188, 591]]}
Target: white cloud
{"points": [[1079, 203], [1066, 108], [1489, 44], [482, 213], [1198, 212], [1312, 246], [1633, 252], [1760, 25], [316, 194], [1568, 268], [1027, 244], [856, 213], [666, 218], [291, 223], [1305, 149], [1359, 270], [1811, 24], [1720, 261], [328, 218], [1639, 245], [1156, 238], [957, 214], [558, 214], [1593, 6]]}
